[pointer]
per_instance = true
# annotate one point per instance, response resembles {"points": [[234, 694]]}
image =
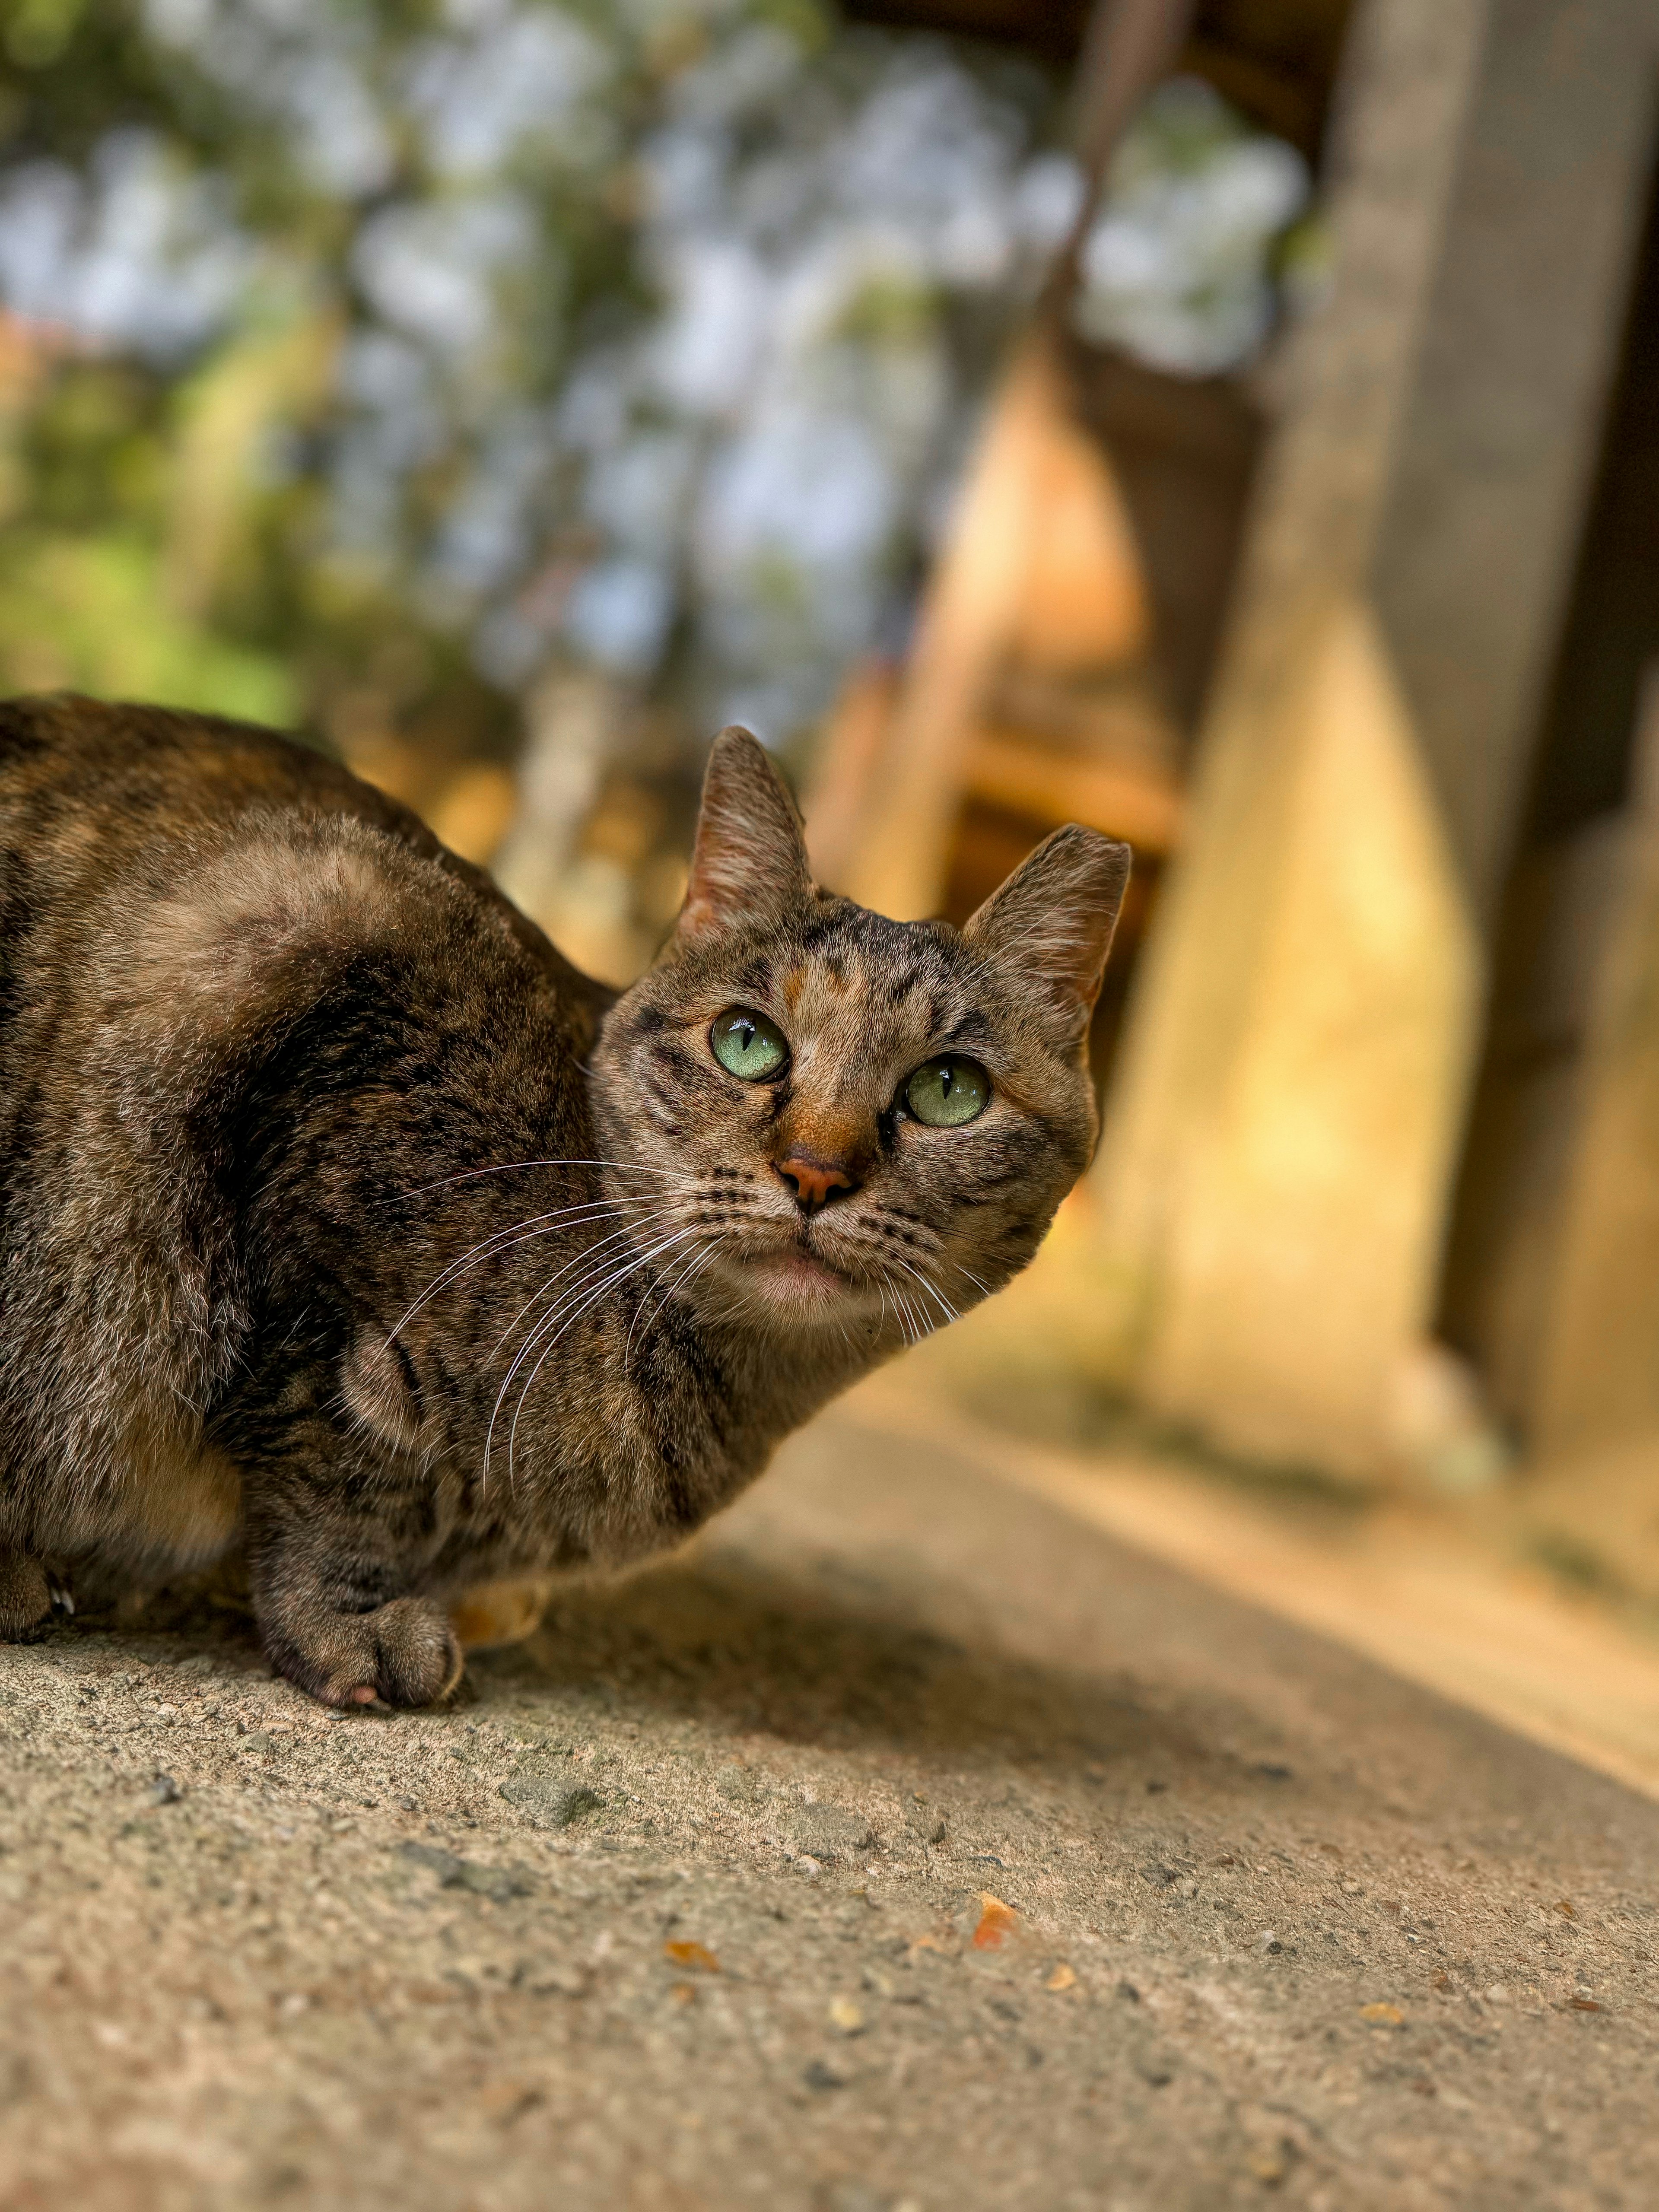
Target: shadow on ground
{"points": [[739, 1648], [679, 1906]]}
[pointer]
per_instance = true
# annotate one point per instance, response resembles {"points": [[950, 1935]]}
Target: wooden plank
{"points": [[1055, 785]]}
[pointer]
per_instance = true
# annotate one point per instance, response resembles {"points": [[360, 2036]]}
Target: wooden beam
{"points": [[971, 602]]}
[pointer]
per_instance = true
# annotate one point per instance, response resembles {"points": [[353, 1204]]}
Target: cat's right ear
{"points": [[750, 859]]}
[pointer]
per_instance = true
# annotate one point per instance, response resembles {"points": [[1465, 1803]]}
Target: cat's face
{"points": [[821, 1115]]}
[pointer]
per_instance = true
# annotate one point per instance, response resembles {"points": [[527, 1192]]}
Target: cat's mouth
{"points": [[798, 1272], [792, 1277]]}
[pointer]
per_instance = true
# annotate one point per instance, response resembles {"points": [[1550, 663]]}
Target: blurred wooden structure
{"points": [[1288, 1139], [1067, 639], [1553, 1279], [1064, 647], [1027, 687], [1274, 60], [1368, 676], [1064, 644], [1596, 1378]]}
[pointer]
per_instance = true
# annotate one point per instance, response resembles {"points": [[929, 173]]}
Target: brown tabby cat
{"points": [[342, 1221]]}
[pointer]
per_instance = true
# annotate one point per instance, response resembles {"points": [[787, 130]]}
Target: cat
{"points": [[346, 1225]]}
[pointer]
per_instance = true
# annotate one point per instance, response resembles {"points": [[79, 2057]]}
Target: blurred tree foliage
{"points": [[364, 360], [164, 524]]}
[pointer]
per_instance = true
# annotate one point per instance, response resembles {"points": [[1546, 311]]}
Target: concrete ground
{"points": [[906, 1844]]}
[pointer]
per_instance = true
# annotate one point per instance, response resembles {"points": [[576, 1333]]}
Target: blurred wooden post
{"points": [[895, 862], [1283, 1136], [1599, 1382], [894, 856]]}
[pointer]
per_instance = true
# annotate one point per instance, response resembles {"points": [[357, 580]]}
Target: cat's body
{"points": [[342, 1221]]}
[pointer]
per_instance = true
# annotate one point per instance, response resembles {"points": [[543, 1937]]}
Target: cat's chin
{"points": [[796, 1285]]}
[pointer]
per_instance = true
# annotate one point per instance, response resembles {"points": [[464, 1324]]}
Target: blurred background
{"points": [[1232, 423]]}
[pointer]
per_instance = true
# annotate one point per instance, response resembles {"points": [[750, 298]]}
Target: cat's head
{"points": [[819, 1114]]}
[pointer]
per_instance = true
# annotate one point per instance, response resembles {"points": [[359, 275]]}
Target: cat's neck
{"points": [[774, 1372], [781, 1374]]}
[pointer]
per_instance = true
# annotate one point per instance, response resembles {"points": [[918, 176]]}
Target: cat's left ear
{"points": [[750, 859], [1050, 924]]}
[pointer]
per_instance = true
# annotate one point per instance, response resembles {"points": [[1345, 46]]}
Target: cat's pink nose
{"points": [[814, 1182]]}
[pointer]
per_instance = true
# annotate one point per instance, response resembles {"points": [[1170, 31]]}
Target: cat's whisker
{"points": [[729, 1300], [642, 1204], [671, 1287], [561, 1306], [591, 1274], [535, 1225], [702, 1255], [585, 1260], [574, 1313], [514, 1167], [984, 1289], [648, 1222], [901, 1304], [639, 1313], [936, 1296], [532, 1225]]}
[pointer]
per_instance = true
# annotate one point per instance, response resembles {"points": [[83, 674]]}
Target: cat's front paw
{"points": [[403, 1653], [28, 1598]]}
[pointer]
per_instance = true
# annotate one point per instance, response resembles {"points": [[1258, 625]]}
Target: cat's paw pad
{"points": [[403, 1653], [29, 1600]]}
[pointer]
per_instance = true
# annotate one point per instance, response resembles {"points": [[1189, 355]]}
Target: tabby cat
{"points": [[345, 1225]]}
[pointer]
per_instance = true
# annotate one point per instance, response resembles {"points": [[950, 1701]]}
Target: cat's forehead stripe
{"points": [[970, 1028], [924, 994], [900, 987]]}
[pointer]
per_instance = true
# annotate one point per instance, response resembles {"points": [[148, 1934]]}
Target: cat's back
{"points": [[176, 883], [102, 803], [87, 788], [243, 997]]}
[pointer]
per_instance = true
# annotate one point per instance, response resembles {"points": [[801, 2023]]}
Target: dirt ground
{"points": [[904, 1844]]}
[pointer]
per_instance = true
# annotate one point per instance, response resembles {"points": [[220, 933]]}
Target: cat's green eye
{"points": [[945, 1093], [747, 1045]]}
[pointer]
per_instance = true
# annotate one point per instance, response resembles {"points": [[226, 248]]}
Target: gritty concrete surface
{"points": [[904, 1845]]}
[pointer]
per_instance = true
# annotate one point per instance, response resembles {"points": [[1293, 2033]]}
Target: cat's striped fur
{"points": [[342, 1221]]}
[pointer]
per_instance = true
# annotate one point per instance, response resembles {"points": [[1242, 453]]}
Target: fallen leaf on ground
{"points": [[997, 1922], [1564, 1905], [505, 2101], [1062, 1979], [692, 1954], [1586, 2004], [1382, 2015]]}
